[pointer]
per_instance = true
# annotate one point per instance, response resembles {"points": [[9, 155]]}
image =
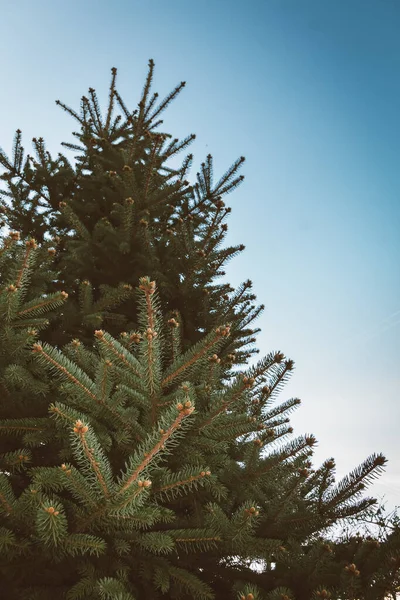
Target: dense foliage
{"points": [[140, 454]]}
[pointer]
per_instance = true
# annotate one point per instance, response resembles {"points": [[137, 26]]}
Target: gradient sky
{"points": [[309, 92]]}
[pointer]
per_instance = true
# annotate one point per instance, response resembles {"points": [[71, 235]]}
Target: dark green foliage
{"points": [[123, 212], [140, 455]]}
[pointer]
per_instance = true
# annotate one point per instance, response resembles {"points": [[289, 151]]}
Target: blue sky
{"points": [[309, 92]]}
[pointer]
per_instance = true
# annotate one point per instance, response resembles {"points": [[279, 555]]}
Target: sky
{"points": [[309, 92]]}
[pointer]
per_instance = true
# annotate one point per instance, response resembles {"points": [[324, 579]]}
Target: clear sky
{"points": [[309, 92]]}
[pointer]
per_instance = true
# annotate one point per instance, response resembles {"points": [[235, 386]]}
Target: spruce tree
{"points": [[160, 453], [122, 211]]}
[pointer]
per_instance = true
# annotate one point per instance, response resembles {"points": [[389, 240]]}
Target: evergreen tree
{"points": [[123, 212], [149, 455]]}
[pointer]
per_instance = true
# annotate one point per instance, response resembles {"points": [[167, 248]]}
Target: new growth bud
{"points": [[80, 428], [324, 594], [248, 382], [144, 483], [135, 338], [303, 472], [352, 570], [146, 285], [214, 358], [173, 323], [52, 511], [278, 358], [223, 331], [150, 334], [185, 408]]}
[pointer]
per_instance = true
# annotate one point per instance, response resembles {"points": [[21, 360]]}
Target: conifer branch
{"points": [[118, 351], [224, 406], [55, 410], [210, 230], [39, 350], [30, 246], [183, 413], [104, 381], [5, 495], [151, 165], [76, 485], [71, 112], [50, 302], [124, 109], [79, 543], [16, 426], [290, 451], [80, 429], [167, 101], [182, 482], [8, 242], [146, 89], [116, 508], [219, 333], [152, 358], [51, 522], [197, 540], [289, 493], [149, 288], [111, 101]]}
